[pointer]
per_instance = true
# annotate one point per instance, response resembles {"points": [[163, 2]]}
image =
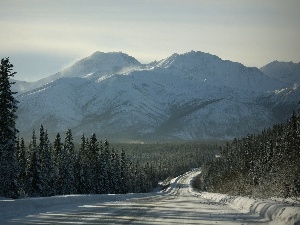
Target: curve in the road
{"points": [[176, 205]]}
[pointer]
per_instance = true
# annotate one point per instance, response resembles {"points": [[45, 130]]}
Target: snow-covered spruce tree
{"points": [[8, 132], [115, 172], [47, 164], [34, 169], [124, 173], [102, 175], [94, 167], [57, 150], [292, 157], [21, 156], [81, 168], [68, 159], [105, 164]]}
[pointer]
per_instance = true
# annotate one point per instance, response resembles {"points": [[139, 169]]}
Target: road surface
{"points": [[177, 205]]}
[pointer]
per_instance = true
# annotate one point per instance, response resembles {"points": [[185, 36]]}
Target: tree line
{"points": [[262, 165], [96, 167], [47, 169]]}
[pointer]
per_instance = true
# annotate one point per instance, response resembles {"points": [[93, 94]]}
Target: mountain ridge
{"points": [[287, 72], [187, 96]]}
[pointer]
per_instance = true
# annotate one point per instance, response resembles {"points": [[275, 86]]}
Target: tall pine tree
{"points": [[21, 156], [68, 158], [34, 169], [58, 162], [8, 132]]}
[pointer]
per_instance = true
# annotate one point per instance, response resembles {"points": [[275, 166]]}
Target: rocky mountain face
{"points": [[183, 97]]}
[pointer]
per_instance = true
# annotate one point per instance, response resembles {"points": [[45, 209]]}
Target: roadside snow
{"points": [[11, 209], [277, 212]]}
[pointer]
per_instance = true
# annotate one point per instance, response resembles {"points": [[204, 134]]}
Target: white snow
{"points": [[287, 72], [180, 203], [143, 99], [276, 212], [112, 93]]}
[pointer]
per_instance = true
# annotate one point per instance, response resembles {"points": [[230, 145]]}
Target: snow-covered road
{"points": [[179, 204]]}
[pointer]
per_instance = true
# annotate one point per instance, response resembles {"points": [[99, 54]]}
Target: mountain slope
{"points": [[22, 86], [183, 97], [287, 72], [99, 64], [95, 66], [206, 67]]}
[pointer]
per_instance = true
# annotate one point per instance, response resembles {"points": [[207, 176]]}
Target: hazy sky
{"points": [[42, 37]]}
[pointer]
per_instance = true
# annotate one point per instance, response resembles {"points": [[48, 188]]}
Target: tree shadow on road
{"points": [[157, 210]]}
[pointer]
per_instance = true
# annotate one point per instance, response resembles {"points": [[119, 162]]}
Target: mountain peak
{"points": [[95, 66], [288, 72], [110, 58], [189, 59]]}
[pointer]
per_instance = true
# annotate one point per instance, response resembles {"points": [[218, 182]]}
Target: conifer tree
{"points": [[58, 162], [105, 168], [8, 132], [81, 168], [34, 169], [47, 164], [124, 173], [115, 172], [93, 152], [102, 169], [21, 156], [68, 185]]}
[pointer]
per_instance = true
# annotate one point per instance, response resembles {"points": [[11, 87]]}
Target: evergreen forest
{"points": [[259, 165], [97, 167]]}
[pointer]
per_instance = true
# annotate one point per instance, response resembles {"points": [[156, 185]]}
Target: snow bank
{"points": [[277, 212]]}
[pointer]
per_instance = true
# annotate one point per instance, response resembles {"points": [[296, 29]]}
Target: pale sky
{"points": [[42, 37]]}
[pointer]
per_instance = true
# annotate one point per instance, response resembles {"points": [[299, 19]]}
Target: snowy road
{"points": [[177, 205]]}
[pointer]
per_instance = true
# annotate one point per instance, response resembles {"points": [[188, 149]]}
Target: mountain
{"points": [[97, 65], [287, 72], [22, 86], [187, 96]]}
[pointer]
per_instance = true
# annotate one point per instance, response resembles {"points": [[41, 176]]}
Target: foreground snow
{"points": [[178, 204]]}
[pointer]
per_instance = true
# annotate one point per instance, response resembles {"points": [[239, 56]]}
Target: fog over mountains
{"points": [[187, 96]]}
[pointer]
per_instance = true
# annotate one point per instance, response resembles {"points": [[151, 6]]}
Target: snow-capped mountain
{"points": [[95, 66], [287, 72], [183, 97]]}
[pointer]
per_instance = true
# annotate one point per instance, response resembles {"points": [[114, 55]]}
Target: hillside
{"points": [[287, 72]]}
